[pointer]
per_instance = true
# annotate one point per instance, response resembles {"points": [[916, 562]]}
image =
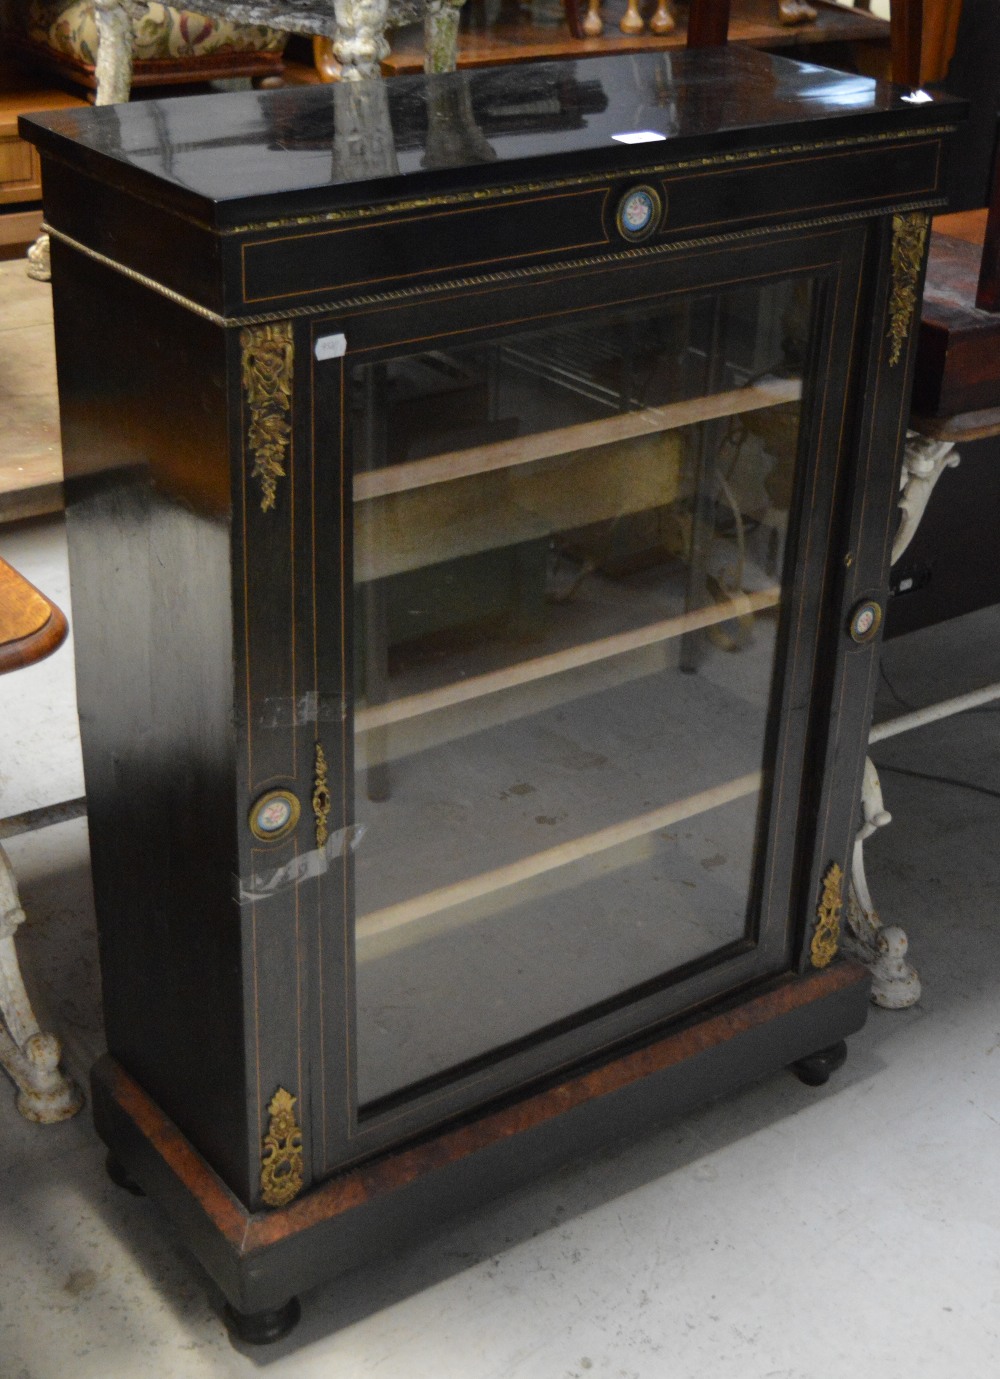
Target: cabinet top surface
{"points": [[233, 158]]}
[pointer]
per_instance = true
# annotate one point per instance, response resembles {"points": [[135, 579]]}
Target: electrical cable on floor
{"points": [[940, 780], [917, 708], [903, 703]]}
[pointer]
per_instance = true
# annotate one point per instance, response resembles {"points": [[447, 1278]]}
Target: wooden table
{"points": [[31, 628]]}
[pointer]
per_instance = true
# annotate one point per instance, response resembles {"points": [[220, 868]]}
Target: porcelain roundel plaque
{"points": [[639, 213], [274, 815], [865, 620]]}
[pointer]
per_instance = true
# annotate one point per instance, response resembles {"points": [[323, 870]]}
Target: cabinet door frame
{"points": [[846, 261]]}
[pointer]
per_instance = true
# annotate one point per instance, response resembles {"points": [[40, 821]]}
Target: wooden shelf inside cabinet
{"points": [[517, 876], [431, 537], [408, 516], [371, 717], [648, 421]]}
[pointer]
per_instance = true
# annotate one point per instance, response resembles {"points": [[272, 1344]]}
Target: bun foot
{"points": [[262, 1328], [119, 1175], [817, 1067]]}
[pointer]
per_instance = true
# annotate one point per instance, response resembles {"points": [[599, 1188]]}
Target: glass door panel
{"points": [[568, 567]]}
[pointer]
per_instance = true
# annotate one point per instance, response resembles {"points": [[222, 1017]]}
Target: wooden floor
{"points": [[30, 453]]}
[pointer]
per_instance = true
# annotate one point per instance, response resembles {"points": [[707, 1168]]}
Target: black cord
{"points": [[903, 703], [918, 708], [939, 780]]}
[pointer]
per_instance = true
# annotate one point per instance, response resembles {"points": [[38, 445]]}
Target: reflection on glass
{"points": [[568, 560]]}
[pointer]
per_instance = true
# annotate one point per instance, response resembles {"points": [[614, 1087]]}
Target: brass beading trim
{"points": [[499, 278]]}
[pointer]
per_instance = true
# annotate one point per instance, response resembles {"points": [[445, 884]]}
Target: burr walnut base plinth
{"points": [[262, 1260]]}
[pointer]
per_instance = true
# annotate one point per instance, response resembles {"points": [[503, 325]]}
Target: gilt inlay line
{"points": [[267, 384]]}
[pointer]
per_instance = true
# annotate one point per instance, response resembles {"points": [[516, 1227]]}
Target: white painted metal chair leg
{"points": [[45, 1093], [895, 984]]}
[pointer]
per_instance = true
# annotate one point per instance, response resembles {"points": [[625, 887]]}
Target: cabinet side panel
{"points": [[893, 282], [144, 437], [168, 248]]}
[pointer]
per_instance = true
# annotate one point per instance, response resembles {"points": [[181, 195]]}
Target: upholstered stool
{"points": [[169, 46]]}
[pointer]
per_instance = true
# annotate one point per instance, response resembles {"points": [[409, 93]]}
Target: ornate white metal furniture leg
{"points": [[116, 21], [45, 1094], [31, 628], [895, 984], [441, 35], [924, 461], [39, 266], [360, 43]]}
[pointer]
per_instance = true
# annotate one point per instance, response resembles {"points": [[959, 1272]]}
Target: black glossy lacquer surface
{"points": [[230, 158]]}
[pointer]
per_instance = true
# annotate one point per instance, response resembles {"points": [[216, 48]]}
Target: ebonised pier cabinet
{"points": [[480, 491]]}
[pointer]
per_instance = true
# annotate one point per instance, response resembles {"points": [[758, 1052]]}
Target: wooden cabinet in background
{"points": [[20, 171]]}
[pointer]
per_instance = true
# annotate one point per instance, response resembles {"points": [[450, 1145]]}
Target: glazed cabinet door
{"points": [[582, 534]]}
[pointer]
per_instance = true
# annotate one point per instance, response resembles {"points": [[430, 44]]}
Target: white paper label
{"points": [[331, 346], [639, 136]]}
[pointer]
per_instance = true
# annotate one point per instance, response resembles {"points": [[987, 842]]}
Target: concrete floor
{"points": [[784, 1233]]}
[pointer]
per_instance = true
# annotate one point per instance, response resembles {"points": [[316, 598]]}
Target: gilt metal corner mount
{"points": [[267, 361], [909, 238], [826, 936], [281, 1153]]}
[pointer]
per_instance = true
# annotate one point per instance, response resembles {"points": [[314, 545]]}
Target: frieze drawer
{"points": [[419, 244]]}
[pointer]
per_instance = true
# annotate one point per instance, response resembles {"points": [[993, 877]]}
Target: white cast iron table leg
{"points": [[45, 1093], [895, 984]]}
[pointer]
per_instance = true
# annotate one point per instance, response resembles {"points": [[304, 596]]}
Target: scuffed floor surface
{"points": [[785, 1233], [30, 453]]}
